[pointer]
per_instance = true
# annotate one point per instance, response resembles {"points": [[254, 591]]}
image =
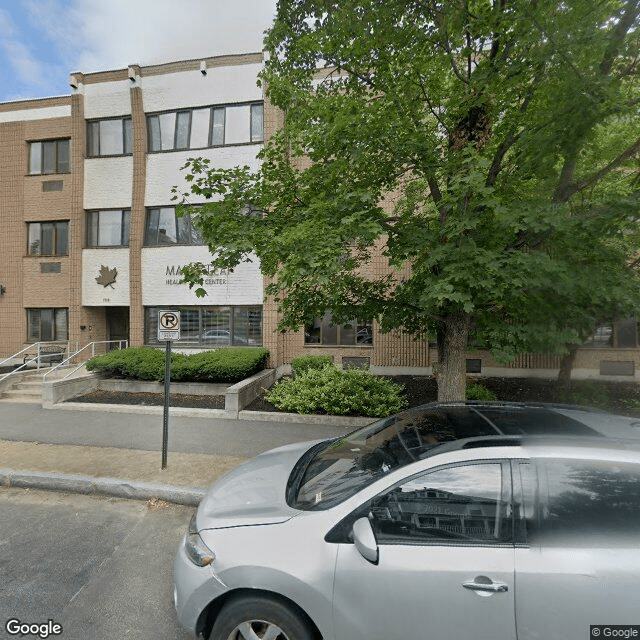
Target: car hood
{"points": [[254, 492]]}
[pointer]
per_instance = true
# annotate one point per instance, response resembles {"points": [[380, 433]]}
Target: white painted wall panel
{"points": [[113, 294], [107, 99], [108, 182], [160, 279], [221, 85], [43, 113], [163, 169]]}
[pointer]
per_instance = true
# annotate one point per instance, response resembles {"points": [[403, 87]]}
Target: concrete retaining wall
{"points": [[188, 388], [242, 394], [61, 390], [237, 396]]}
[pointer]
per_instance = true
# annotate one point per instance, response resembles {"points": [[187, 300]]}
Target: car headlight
{"points": [[195, 547]]}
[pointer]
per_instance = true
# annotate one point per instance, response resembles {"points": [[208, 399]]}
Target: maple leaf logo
{"points": [[107, 276]]}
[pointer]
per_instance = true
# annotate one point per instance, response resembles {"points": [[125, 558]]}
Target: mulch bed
{"points": [[618, 396], [152, 399]]}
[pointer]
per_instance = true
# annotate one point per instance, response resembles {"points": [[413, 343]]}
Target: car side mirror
{"points": [[365, 540]]}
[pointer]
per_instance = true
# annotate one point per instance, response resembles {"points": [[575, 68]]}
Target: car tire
{"points": [[252, 617]]}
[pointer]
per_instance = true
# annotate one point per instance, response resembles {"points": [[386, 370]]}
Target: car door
{"points": [[445, 560], [578, 550]]}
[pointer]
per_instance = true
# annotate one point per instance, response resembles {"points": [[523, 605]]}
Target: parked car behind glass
{"points": [[444, 521]]}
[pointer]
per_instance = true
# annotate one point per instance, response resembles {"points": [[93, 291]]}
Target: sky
{"points": [[43, 41]]}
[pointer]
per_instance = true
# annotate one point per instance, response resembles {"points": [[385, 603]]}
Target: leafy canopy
{"points": [[488, 149]]}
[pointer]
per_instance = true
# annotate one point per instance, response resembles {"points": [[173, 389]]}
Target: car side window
{"points": [[462, 504], [585, 503]]}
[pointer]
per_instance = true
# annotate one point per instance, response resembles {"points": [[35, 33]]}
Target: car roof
{"points": [[529, 419], [429, 429]]}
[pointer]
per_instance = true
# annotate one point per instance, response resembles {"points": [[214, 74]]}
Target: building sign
{"points": [[213, 275], [168, 325], [161, 279], [107, 277]]}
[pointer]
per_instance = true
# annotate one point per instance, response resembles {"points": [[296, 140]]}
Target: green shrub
{"points": [[587, 393], [304, 363], [141, 363], [147, 363], [354, 392], [222, 365], [477, 391]]}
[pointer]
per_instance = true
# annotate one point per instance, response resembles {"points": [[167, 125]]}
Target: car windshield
{"points": [[341, 468]]}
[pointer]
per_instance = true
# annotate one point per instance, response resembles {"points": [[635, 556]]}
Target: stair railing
{"points": [[121, 344], [45, 352]]}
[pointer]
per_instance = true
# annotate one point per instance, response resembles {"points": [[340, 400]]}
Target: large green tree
{"points": [[506, 135]]}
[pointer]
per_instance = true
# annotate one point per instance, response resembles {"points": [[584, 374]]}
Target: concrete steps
{"points": [[28, 389]]}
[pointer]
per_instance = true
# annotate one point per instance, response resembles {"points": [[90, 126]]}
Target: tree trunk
{"points": [[563, 382], [451, 373]]}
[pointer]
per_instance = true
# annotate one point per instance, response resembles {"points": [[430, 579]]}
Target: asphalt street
{"points": [[100, 567], [101, 428]]}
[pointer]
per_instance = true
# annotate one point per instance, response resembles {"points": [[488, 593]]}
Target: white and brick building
{"points": [[91, 247]]}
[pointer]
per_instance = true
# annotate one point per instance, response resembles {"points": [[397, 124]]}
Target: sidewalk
{"points": [[121, 455], [110, 471]]}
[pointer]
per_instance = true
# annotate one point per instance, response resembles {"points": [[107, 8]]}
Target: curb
{"points": [[189, 496]]}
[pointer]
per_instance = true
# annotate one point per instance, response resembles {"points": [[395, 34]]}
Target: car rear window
{"points": [[515, 421]]}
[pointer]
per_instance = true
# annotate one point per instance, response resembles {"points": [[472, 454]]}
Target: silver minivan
{"points": [[445, 521]]}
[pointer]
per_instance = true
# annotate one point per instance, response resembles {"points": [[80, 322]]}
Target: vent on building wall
{"points": [[614, 368], [355, 362], [52, 185], [50, 267], [474, 365]]}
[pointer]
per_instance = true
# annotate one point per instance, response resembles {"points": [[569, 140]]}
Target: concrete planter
{"points": [[237, 396]]}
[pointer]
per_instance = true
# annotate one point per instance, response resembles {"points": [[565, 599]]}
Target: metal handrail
{"points": [[93, 353], [37, 358]]}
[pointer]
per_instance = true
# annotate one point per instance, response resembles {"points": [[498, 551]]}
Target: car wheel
{"points": [[259, 618]]}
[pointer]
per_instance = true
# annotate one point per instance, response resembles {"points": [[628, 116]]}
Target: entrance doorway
{"points": [[117, 323]]}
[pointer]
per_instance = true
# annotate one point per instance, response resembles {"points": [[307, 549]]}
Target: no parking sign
{"points": [[168, 325]]}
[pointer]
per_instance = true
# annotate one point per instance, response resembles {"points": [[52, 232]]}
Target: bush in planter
{"points": [[148, 363], [141, 363], [354, 392], [300, 364], [477, 391], [222, 365]]}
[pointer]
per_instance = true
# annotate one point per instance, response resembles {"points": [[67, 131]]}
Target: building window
{"points": [[46, 325], [257, 123], [48, 238], [109, 137], [324, 332], [49, 156], [615, 334], [163, 227], [210, 327], [108, 228], [205, 127]]}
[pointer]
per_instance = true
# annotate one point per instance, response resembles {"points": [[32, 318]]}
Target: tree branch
{"points": [[626, 22], [578, 186]]}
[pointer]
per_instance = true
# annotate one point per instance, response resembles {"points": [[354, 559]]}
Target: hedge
{"points": [[147, 363]]}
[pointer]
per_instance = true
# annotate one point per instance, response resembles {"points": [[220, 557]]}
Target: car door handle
{"points": [[494, 587]]}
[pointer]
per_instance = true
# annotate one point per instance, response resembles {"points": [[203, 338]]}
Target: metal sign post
{"points": [[168, 330]]}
